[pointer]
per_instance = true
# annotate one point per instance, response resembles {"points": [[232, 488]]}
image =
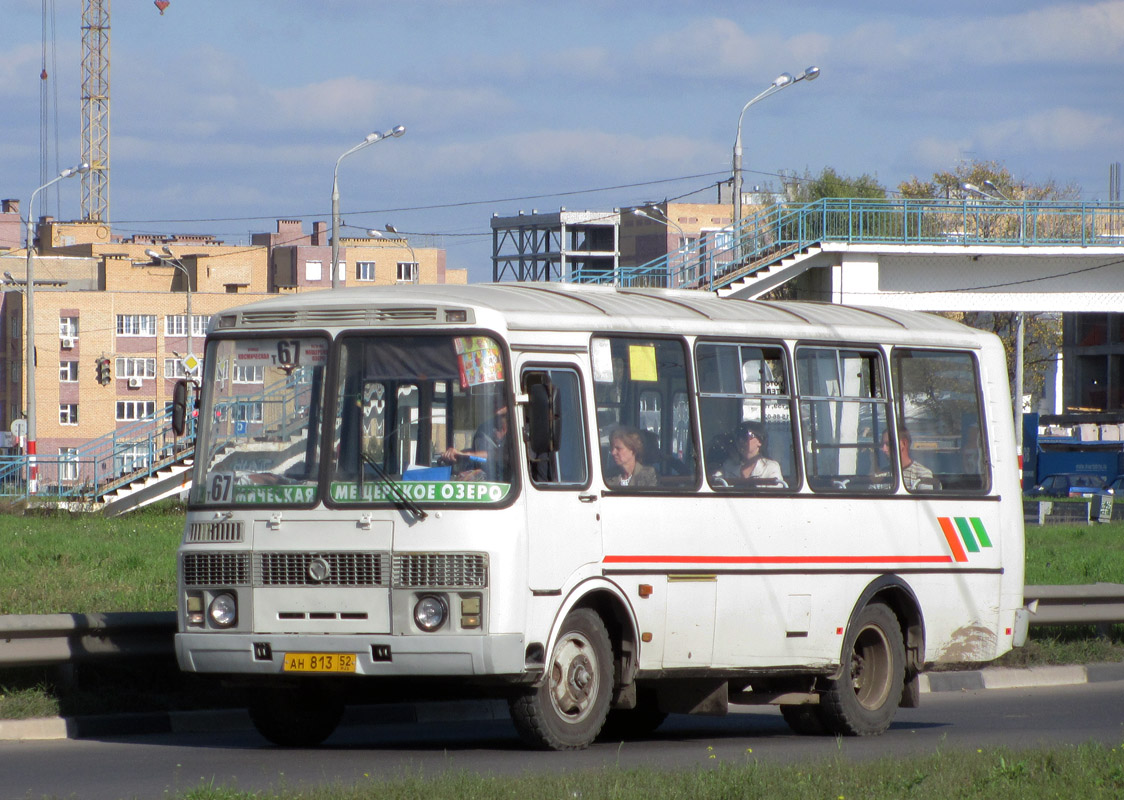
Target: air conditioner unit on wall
{"points": [[135, 383], [67, 342]]}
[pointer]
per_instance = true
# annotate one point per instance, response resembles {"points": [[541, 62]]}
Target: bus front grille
{"points": [[225, 532], [216, 569], [319, 569], [441, 570]]}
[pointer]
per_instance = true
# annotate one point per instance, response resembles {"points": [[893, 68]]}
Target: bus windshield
{"points": [[259, 440], [425, 417]]}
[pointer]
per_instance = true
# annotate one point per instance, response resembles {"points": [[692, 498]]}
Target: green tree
{"points": [[1042, 336], [948, 184], [830, 183]]}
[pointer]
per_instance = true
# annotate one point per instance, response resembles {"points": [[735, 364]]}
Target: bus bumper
{"points": [[431, 655]]}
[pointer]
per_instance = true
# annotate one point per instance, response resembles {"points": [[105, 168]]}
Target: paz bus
{"points": [[602, 504]]}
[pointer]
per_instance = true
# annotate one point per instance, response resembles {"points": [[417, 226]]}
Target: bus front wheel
{"points": [[567, 711], [864, 699]]}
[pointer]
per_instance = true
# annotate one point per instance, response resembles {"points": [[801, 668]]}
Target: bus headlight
{"points": [[223, 610], [431, 612]]}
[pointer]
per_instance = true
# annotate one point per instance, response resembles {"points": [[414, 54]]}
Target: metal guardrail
{"points": [[45, 639], [718, 258]]}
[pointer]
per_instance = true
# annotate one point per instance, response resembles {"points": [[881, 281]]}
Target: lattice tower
{"points": [[95, 109]]}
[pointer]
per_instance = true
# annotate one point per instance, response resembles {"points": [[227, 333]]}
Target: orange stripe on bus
{"points": [[939, 559], [953, 539]]}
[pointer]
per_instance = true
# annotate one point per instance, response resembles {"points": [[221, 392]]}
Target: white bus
{"points": [[602, 504]]}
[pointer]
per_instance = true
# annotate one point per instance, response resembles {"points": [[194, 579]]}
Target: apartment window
{"points": [[68, 413], [136, 324], [128, 410], [173, 368], [131, 459], [68, 463], [249, 373], [176, 325], [68, 327], [68, 371], [341, 270], [247, 411], [365, 270], [407, 272], [313, 270], [136, 367]]}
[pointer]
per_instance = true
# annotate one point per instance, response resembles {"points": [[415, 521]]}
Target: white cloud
{"points": [[1057, 130], [353, 102], [720, 47], [573, 153]]}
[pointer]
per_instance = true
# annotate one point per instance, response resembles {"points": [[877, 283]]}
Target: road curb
{"points": [[226, 720]]}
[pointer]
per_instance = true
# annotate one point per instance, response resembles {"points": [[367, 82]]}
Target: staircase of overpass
{"points": [[139, 463], [775, 245]]}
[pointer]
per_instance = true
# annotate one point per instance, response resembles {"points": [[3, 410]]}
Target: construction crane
{"points": [[95, 110]]}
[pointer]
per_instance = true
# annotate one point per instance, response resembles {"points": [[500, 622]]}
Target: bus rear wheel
{"points": [[864, 699], [567, 711], [303, 715]]}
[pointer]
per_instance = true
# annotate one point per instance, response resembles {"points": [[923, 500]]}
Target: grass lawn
{"points": [[86, 563], [1085, 771]]}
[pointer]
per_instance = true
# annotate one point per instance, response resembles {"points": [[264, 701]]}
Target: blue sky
{"points": [[228, 115]]}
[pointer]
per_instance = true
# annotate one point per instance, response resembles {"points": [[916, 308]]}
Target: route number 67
{"points": [[222, 484]]}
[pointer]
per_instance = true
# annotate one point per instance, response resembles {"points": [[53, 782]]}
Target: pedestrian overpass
{"points": [[928, 255]]}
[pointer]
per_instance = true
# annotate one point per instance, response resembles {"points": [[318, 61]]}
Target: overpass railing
{"points": [[718, 258]]}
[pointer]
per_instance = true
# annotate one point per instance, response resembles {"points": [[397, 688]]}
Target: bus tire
{"points": [[295, 716], [568, 710], [864, 699]]}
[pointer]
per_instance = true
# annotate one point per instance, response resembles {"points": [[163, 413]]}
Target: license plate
{"points": [[319, 662]]}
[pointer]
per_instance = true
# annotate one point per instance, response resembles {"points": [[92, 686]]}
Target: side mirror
{"points": [[179, 408], [544, 425]]}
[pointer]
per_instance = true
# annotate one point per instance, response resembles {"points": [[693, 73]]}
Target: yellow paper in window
{"points": [[642, 362]]}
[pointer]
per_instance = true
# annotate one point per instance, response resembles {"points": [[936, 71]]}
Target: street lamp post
{"points": [[413, 257], [1020, 316], [170, 258], [32, 469], [666, 221], [394, 132], [782, 80]]}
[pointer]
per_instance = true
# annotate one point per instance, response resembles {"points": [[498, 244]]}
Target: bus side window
{"points": [[937, 398], [566, 462], [644, 418], [844, 413]]}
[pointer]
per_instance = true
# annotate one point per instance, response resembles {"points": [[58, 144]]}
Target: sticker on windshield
{"points": [[422, 491], [478, 359]]}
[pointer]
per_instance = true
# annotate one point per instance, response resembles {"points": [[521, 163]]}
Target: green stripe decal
{"points": [[966, 534], [981, 533]]}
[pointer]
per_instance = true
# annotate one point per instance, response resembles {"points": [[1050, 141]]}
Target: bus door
{"points": [[563, 520]]}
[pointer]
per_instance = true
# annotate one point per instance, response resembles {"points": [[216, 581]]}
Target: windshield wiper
{"points": [[395, 489]]}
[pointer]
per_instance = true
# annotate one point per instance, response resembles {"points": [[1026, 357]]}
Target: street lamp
{"points": [[32, 469], [413, 257], [1020, 316], [170, 258], [666, 221], [394, 132], [782, 80]]}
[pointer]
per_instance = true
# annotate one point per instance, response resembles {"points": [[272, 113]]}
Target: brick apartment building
{"points": [[100, 297]]}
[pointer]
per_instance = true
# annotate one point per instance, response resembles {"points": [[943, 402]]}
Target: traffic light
{"points": [[103, 371]]}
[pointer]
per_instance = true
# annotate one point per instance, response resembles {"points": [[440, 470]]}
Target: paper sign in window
{"points": [[642, 362], [478, 358]]}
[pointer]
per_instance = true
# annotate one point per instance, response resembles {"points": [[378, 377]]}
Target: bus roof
{"points": [[550, 306]]}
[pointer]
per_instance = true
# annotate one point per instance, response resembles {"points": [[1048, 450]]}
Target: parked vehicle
{"points": [[1116, 486], [1071, 485]]}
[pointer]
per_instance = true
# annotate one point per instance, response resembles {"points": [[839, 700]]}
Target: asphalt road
{"points": [[151, 766]]}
